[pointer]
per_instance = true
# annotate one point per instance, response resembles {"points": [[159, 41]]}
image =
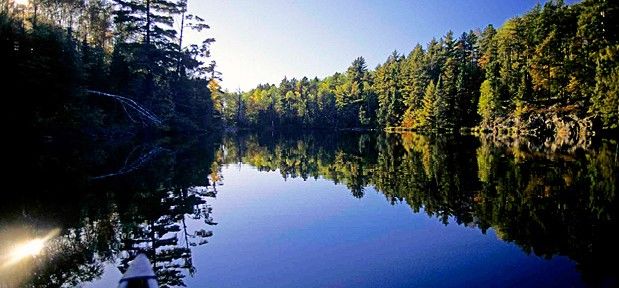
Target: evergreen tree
{"points": [[426, 119], [487, 103], [389, 92]]}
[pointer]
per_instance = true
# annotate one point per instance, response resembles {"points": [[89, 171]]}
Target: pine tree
{"points": [[426, 118], [389, 91], [487, 103], [147, 25]]}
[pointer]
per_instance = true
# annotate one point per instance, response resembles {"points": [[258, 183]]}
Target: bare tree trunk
{"points": [[180, 38], [70, 27], [148, 89], [132, 105], [35, 6], [239, 107]]}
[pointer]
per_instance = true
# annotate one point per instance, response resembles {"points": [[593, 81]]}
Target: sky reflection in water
{"points": [[373, 210], [311, 233]]}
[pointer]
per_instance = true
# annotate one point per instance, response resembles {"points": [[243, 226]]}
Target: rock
{"points": [[557, 127]]}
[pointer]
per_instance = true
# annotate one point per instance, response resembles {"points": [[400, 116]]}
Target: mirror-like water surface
{"points": [[313, 210]]}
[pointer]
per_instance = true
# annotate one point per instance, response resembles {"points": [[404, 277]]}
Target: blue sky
{"points": [[260, 41]]}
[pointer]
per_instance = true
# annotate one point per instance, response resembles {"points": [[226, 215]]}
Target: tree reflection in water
{"points": [[549, 203], [558, 202], [109, 219]]}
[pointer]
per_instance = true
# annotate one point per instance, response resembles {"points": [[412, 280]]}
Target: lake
{"points": [[312, 210]]}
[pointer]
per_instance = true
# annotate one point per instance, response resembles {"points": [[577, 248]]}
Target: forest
{"points": [[551, 70], [61, 57], [556, 65], [122, 117]]}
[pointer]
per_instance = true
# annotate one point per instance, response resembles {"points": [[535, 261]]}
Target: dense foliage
{"points": [[556, 56], [54, 52]]}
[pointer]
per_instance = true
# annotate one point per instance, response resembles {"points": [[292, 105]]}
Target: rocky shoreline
{"points": [[554, 128]]}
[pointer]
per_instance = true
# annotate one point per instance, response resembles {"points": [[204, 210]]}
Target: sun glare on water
{"points": [[29, 248], [26, 249]]}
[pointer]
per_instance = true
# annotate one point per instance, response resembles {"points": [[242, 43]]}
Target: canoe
{"points": [[140, 274]]}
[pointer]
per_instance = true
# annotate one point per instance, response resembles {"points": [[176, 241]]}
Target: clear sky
{"points": [[260, 41]]}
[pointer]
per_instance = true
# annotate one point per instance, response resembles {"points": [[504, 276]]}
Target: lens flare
{"points": [[29, 248]]}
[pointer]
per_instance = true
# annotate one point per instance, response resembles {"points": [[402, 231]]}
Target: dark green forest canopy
{"points": [[555, 63], [555, 60], [54, 52]]}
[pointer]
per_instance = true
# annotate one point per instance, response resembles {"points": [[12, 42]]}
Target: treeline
{"points": [[53, 52], [556, 57]]}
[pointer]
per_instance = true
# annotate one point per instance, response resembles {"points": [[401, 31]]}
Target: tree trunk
{"points": [[149, 76], [180, 40], [35, 6]]}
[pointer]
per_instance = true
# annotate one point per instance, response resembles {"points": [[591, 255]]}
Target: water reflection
{"points": [[141, 207], [559, 202], [116, 200]]}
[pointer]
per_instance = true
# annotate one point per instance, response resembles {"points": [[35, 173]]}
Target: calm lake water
{"points": [[313, 210]]}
